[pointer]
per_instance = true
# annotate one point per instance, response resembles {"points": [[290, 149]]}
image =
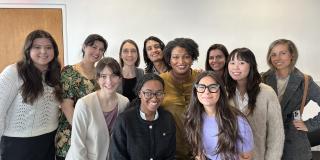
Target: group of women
{"points": [[118, 111]]}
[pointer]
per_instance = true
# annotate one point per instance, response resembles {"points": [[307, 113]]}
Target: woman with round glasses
{"points": [[214, 129], [145, 131], [129, 60], [257, 101]]}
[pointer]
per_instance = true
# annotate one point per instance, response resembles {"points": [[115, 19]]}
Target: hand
{"points": [[300, 126], [246, 156]]}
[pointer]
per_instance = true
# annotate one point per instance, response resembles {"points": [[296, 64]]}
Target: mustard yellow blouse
{"points": [[176, 100]]}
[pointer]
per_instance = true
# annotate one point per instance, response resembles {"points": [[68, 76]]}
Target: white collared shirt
{"points": [[143, 115], [242, 103]]}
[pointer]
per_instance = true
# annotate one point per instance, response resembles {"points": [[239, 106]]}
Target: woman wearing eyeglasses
{"points": [[214, 129], [258, 102], [145, 131], [129, 60]]}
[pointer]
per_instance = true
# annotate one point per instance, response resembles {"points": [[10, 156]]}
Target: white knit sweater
{"points": [[18, 119]]}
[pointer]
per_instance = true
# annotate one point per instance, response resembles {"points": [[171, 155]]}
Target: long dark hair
{"points": [[226, 117], [220, 47], [148, 62], [32, 86], [253, 79]]}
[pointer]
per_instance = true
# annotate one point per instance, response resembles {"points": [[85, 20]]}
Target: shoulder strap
{"points": [[305, 91]]}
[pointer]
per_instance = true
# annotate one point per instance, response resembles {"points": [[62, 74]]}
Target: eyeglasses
{"points": [[111, 76], [149, 95], [201, 88]]}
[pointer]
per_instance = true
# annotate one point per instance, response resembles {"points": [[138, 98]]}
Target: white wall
{"points": [[246, 23]]}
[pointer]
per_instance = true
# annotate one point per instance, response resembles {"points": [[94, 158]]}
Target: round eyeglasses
{"points": [[149, 95], [201, 88]]}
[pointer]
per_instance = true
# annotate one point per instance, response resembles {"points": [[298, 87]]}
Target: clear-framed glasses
{"points": [[201, 88], [111, 76], [149, 95]]}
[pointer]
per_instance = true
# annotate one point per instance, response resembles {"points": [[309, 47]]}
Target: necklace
{"points": [[89, 74]]}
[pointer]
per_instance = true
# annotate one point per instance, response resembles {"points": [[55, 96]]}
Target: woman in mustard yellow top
{"points": [[179, 55]]}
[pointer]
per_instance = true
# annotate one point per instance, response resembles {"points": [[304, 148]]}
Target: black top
{"points": [[128, 88], [136, 139]]}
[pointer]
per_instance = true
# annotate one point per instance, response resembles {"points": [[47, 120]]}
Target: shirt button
{"points": [[151, 158], [164, 134], [150, 127]]}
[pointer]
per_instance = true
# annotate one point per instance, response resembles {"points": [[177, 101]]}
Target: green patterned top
{"points": [[75, 86]]}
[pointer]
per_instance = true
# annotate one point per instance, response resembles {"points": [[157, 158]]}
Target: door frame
{"points": [[59, 5]]}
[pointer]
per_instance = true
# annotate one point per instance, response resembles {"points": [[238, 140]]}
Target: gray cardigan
{"points": [[266, 124], [139, 75], [296, 145]]}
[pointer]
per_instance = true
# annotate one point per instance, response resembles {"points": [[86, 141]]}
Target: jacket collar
{"points": [[296, 78]]}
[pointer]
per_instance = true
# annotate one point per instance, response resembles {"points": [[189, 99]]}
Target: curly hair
{"points": [[188, 44]]}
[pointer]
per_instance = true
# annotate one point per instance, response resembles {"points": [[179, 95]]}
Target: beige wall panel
{"points": [[17, 23]]}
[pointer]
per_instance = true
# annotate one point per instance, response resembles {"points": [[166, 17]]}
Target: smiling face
{"points": [[238, 69], [207, 98], [151, 104], [41, 53], [129, 54], [94, 52], [281, 57], [154, 51], [217, 60], [108, 81], [180, 61]]}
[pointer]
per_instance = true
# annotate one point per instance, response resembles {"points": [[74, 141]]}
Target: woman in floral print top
{"points": [[77, 80]]}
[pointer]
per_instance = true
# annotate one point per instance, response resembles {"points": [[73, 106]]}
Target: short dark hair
{"points": [[108, 62], [146, 77], [135, 45], [89, 41], [220, 47], [145, 54], [188, 44]]}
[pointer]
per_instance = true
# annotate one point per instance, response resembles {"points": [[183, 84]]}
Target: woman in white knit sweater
{"points": [[258, 102], [29, 104]]}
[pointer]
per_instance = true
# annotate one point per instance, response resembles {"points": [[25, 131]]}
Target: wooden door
{"points": [[17, 23]]}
